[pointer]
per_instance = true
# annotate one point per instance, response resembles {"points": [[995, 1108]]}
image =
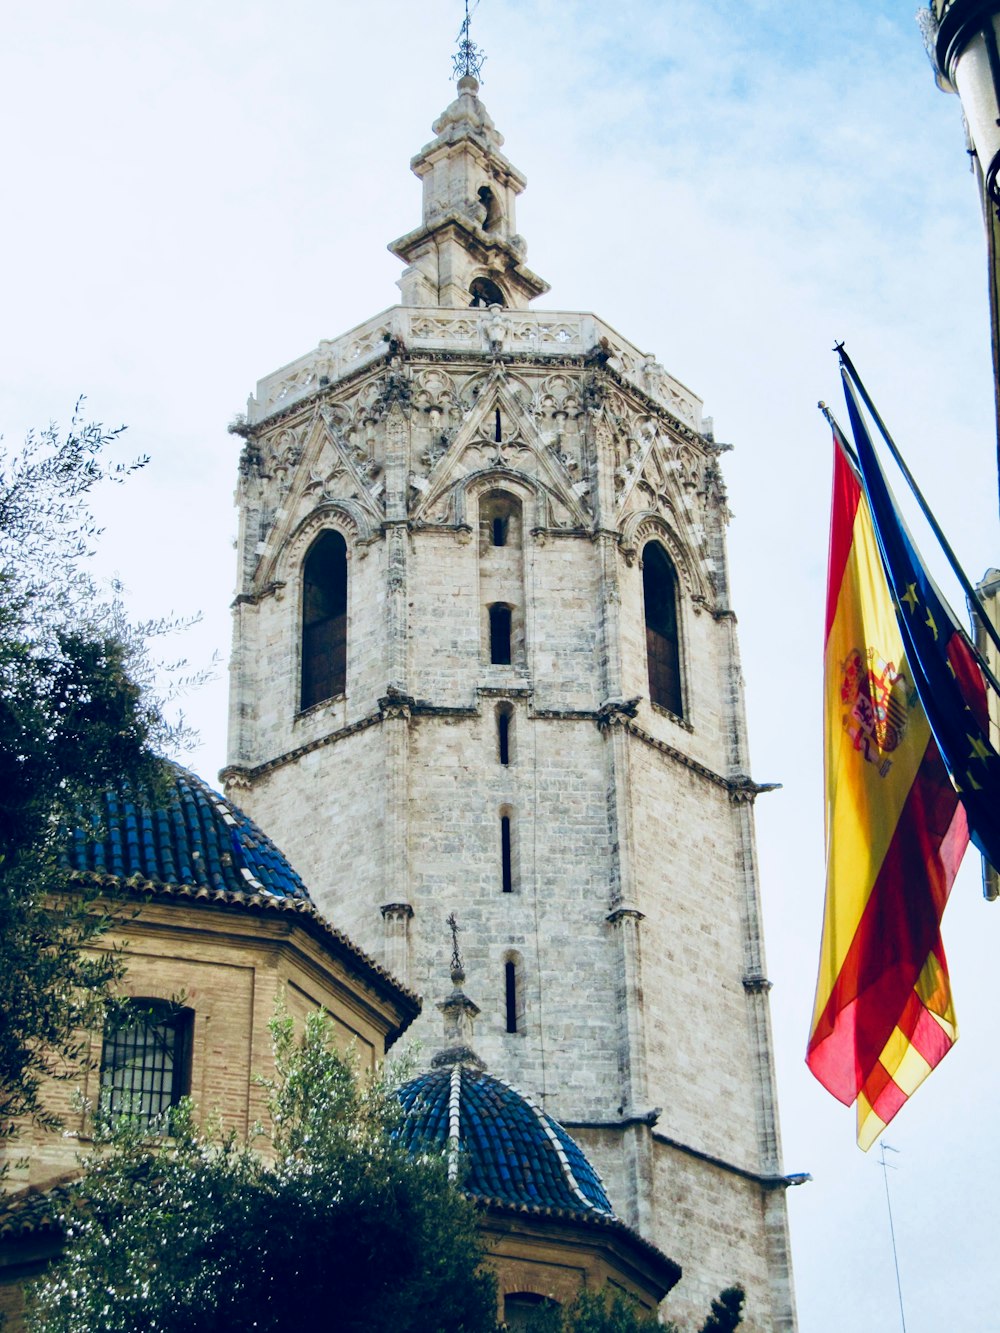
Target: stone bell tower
{"points": [[484, 662]]}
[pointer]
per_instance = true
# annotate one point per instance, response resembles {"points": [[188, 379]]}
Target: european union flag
{"points": [[945, 672]]}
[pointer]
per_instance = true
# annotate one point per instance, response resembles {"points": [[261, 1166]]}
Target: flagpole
{"points": [[960, 574], [838, 430], [892, 1230]]}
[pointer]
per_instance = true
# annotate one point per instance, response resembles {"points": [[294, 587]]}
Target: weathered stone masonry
{"points": [[623, 887]]}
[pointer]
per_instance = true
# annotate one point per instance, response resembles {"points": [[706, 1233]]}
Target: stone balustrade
{"points": [[507, 333]]}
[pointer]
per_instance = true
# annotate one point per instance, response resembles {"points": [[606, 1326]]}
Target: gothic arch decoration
{"points": [[646, 525], [328, 479], [434, 390], [526, 490], [557, 393], [544, 508], [280, 453], [499, 438], [480, 383], [341, 516], [437, 413]]}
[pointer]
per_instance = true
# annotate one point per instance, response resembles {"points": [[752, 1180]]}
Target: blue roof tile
{"points": [[511, 1151], [193, 837]]}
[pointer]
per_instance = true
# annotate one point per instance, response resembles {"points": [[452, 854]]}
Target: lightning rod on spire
{"points": [[469, 59]]}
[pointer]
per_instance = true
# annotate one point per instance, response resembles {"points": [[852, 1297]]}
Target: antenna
{"points": [[469, 59], [886, 1168]]}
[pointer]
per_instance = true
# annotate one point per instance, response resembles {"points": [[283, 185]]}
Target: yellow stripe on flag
{"points": [[865, 789]]}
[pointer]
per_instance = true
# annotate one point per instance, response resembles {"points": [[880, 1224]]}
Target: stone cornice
{"points": [[765, 1180], [615, 713]]}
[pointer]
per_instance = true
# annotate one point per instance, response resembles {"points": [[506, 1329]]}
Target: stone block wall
{"points": [[632, 919]]}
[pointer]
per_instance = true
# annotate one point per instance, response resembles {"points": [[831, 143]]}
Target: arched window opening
{"points": [[505, 718], [500, 626], [146, 1062], [510, 994], [499, 521], [506, 858], [485, 293], [324, 620], [659, 587], [494, 212]]}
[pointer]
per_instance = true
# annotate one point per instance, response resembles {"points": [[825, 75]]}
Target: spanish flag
{"points": [[895, 836]]}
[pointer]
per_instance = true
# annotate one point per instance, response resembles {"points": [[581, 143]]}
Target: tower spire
{"points": [[466, 251], [459, 1013], [469, 59]]}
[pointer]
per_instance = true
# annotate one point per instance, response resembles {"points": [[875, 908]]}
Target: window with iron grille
{"points": [[145, 1061]]}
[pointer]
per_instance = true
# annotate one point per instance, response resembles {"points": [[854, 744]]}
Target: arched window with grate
{"points": [[324, 620], [146, 1061], [663, 655]]}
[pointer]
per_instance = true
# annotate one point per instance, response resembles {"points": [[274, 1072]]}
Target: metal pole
{"points": [[960, 574], [984, 665], [892, 1231]]}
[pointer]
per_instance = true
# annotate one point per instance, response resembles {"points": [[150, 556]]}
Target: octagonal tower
{"points": [[485, 661]]}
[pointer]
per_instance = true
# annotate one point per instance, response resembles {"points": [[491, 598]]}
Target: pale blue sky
{"points": [[197, 194]]}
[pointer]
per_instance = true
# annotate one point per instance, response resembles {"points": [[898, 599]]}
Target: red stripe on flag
{"points": [[930, 1038], [846, 494], [897, 930], [890, 1099], [970, 679]]}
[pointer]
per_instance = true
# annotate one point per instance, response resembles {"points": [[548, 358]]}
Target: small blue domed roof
{"points": [[190, 835], [510, 1150]]}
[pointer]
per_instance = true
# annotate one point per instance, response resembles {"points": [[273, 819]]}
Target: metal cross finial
{"points": [[469, 58], [456, 957]]}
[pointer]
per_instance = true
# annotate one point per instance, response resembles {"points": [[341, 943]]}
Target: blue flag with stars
{"points": [[940, 655]]}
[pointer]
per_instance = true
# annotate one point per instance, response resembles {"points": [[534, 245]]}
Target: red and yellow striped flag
{"points": [[895, 835]]}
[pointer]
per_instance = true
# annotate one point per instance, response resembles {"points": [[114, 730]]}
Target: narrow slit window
{"points": [[506, 870], [324, 620], [510, 993], [500, 532], [500, 634], [663, 658], [498, 427], [503, 736]]}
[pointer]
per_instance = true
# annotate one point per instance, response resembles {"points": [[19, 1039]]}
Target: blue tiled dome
{"points": [[510, 1151], [192, 836]]}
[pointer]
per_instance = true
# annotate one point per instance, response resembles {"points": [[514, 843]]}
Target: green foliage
{"points": [[77, 713], [336, 1227], [592, 1312], [727, 1311]]}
